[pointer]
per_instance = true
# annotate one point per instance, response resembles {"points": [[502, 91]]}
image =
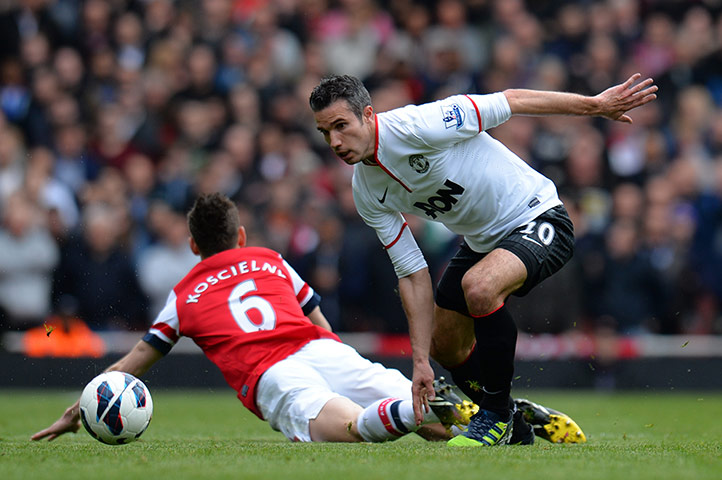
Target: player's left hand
{"points": [[422, 389], [614, 102], [68, 422]]}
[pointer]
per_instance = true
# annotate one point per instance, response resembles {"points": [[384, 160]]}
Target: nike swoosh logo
{"points": [[383, 198], [526, 237]]}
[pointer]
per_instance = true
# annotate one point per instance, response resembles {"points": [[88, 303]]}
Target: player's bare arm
{"points": [[136, 362], [612, 103], [417, 298], [318, 318]]}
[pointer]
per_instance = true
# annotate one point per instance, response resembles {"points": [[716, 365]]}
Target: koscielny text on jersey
{"points": [[230, 272]]}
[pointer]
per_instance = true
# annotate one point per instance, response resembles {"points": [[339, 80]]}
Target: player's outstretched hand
{"points": [[422, 389], [68, 422], [616, 101]]}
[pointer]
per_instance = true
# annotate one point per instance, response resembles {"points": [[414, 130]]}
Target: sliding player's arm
{"points": [[136, 362]]}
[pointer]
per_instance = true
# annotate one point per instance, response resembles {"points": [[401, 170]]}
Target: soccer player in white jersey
{"points": [[436, 161]]}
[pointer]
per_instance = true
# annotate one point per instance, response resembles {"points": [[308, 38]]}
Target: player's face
{"points": [[351, 139]]}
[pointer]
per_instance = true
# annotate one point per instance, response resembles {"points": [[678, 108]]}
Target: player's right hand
{"points": [[422, 389]]}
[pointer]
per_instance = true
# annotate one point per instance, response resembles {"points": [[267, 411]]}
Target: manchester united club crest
{"points": [[419, 163]]}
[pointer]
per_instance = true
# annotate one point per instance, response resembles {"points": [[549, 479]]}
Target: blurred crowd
{"points": [[115, 114]]}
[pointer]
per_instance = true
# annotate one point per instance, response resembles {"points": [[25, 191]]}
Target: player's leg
{"points": [[301, 396], [453, 346], [384, 420], [453, 342], [295, 398], [342, 420], [291, 394], [523, 259], [486, 286], [384, 393], [336, 422], [475, 361], [476, 284]]}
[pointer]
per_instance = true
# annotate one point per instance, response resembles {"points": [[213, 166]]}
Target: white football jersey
{"points": [[436, 161]]}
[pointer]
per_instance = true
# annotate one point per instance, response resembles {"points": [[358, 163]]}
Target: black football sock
{"points": [[467, 376], [522, 433], [496, 344]]}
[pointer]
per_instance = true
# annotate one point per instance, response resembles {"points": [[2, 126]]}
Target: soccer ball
{"points": [[116, 408]]}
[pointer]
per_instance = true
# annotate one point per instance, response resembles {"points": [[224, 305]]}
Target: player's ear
{"points": [[194, 247], [242, 236], [368, 112]]}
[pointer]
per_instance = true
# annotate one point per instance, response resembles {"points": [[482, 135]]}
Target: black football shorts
{"points": [[543, 245]]}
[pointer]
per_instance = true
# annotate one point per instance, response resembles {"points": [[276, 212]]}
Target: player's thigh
{"points": [[478, 280], [355, 377], [452, 337], [290, 394]]}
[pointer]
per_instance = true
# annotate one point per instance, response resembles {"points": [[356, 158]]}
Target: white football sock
{"points": [[389, 419], [386, 419], [406, 412]]}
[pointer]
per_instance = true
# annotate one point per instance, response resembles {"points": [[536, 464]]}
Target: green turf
{"points": [[205, 435]]}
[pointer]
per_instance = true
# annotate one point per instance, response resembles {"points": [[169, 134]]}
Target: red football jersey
{"points": [[245, 309]]}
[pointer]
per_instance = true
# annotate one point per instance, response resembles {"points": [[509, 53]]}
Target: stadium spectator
{"points": [[73, 166], [22, 20], [12, 167], [162, 264], [99, 274], [351, 35], [51, 194], [28, 255], [633, 297]]}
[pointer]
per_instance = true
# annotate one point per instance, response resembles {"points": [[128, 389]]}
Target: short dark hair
{"points": [[340, 87], [214, 222]]}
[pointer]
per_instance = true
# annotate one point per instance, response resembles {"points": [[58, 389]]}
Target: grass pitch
{"points": [[209, 435]]}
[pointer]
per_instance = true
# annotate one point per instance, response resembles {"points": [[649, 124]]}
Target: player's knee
{"points": [[336, 422], [481, 296]]}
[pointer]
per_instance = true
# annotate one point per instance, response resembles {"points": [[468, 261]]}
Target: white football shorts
{"points": [[293, 391]]}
